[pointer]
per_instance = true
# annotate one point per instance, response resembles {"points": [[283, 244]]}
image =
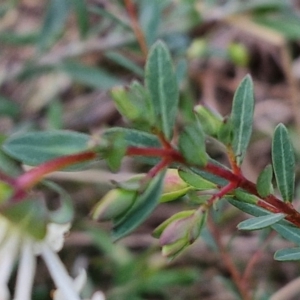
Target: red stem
{"points": [[33, 176]]}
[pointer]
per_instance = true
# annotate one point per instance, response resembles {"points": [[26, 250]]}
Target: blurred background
{"points": [[58, 61]]}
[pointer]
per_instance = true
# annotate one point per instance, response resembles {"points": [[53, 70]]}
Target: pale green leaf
{"points": [[287, 254], [260, 222], [283, 162], [242, 118], [264, 181], [162, 84]]}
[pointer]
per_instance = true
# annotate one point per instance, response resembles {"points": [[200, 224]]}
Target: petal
{"points": [[98, 296], [59, 274], [8, 253], [26, 272]]}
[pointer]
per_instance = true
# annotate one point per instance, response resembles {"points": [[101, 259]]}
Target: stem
{"points": [[131, 9], [30, 178], [227, 260], [271, 203]]}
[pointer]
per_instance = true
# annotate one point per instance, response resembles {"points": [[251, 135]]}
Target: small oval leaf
{"points": [[260, 222], [242, 118], [287, 254], [283, 162]]}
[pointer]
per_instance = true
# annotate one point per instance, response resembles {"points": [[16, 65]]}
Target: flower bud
{"points": [[180, 232], [210, 121], [115, 203], [173, 187]]}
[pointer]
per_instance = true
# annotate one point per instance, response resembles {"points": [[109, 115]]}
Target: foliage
{"points": [[169, 140]]}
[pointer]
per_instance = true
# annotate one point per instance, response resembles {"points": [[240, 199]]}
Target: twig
{"points": [[131, 9], [289, 291]]}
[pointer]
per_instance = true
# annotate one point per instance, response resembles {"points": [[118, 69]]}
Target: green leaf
{"points": [[283, 162], [287, 254], [192, 144], [80, 8], [54, 22], [34, 148], [125, 62], [196, 180], [242, 118], [30, 216], [9, 108], [150, 19], [162, 84], [284, 228], [142, 208], [288, 231], [114, 150], [132, 103], [264, 181], [134, 137], [260, 222], [90, 76]]}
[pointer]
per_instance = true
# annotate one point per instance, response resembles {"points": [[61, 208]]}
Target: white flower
{"points": [[78, 284], [17, 245]]}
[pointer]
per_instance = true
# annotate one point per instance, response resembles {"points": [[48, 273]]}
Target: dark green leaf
{"points": [[242, 117], [65, 212], [192, 144], [15, 39], [8, 108], [90, 76], [30, 215], [260, 222], [162, 84], [80, 7], [34, 148], [142, 208], [287, 254], [54, 22], [125, 62], [264, 181], [283, 162]]}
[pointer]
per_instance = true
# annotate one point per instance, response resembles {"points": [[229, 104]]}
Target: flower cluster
{"points": [[18, 245]]}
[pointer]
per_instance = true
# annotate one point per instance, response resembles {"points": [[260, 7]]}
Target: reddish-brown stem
{"points": [[131, 9], [157, 168], [271, 203], [223, 191], [33, 176], [227, 260], [254, 259]]}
